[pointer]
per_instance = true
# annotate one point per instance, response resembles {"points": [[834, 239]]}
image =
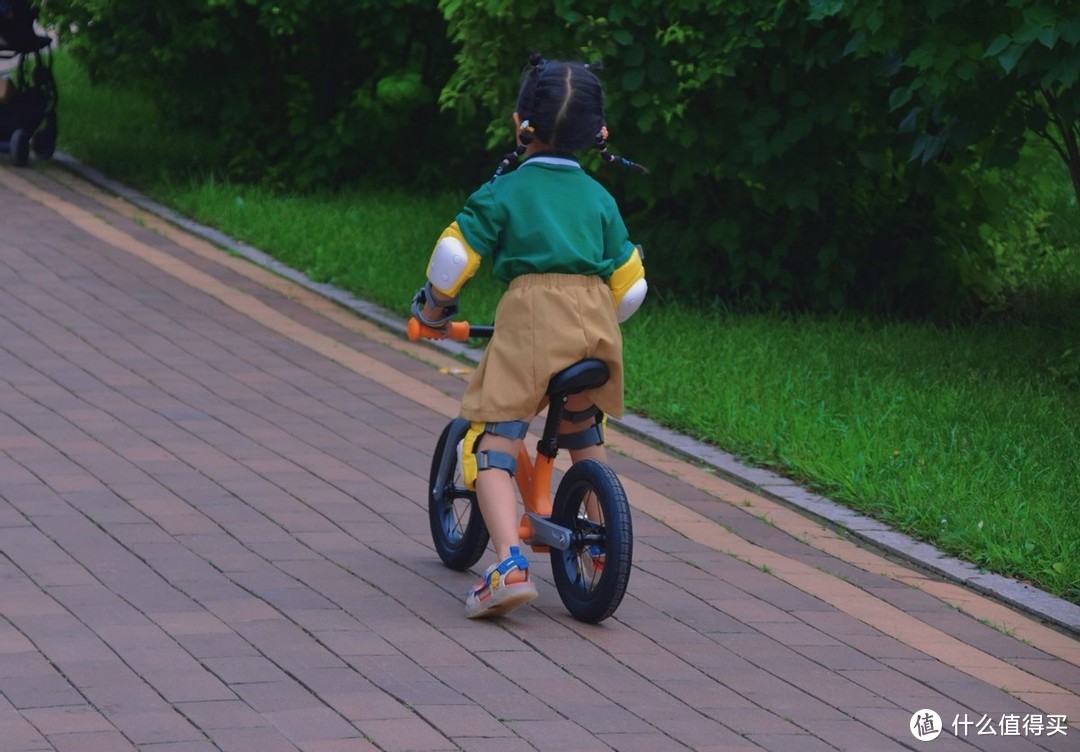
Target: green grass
{"points": [[119, 133], [967, 437], [958, 436]]}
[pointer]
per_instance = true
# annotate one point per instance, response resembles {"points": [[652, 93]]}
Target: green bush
{"points": [[815, 155], [783, 171], [301, 93]]}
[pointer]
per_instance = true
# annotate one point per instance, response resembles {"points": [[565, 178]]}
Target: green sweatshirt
{"points": [[548, 215]]}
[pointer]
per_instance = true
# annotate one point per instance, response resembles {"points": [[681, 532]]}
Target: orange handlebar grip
{"points": [[456, 330]]}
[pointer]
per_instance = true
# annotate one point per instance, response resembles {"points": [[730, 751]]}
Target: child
{"points": [[556, 236]]}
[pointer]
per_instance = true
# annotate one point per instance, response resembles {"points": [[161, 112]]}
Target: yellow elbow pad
{"points": [[453, 262], [628, 285]]}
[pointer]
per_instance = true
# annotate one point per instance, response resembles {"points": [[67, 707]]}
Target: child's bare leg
{"points": [[578, 403], [598, 453], [495, 493], [506, 583]]}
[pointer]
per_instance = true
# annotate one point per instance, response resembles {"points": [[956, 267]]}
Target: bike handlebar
{"points": [[455, 330]]}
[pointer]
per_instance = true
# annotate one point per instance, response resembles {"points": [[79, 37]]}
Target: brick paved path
{"points": [[212, 538]]}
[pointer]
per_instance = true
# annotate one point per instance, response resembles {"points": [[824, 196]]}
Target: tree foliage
{"points": [[784, 167], [301, 92], [810, 154], [971, 78]]}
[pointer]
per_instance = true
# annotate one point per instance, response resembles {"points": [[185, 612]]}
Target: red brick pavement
{"points": [[212, 537]]}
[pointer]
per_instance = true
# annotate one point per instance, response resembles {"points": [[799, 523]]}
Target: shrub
{"points": [[302, 93], [782, 169], [812, 155]]}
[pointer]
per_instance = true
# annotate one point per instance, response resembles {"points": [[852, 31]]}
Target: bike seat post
{"points": [[586, 374], [548, 445]]}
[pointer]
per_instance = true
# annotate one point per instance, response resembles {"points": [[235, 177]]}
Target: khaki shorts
{"points": [[544, 323]]}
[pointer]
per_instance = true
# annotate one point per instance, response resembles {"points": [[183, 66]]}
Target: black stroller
{"points": [[28, 93]]}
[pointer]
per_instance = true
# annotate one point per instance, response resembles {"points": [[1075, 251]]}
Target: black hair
{"points": [[562, 104]]}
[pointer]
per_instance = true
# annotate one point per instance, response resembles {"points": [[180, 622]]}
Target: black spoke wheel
{"points": [[457, 527], [592, 574], [44, 141], [20, 148]]}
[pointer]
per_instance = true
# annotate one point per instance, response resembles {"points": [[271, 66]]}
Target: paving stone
{"points": [[214, 536]]}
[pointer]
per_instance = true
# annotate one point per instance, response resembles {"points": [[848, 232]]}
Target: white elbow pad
{"points": [[452, 263], [628, 285], [632, 300]]}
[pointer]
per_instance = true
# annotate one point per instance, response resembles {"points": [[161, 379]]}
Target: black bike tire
{"points": [[592, 601], [459, 546], [19, 147]]}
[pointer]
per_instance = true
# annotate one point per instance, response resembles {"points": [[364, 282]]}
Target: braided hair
{"points": [[562, 105]]}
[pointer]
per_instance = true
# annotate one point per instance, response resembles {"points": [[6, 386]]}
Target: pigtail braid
{"points": [[526, 132], [525, 136], [509, 159], [607, 156]]}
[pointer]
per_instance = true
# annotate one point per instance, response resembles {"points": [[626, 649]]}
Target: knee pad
{"points": [[487, 459], [588, 437], [473, 462]]}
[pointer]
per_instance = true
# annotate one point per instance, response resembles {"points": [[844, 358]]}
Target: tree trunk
{"points": [[1069, 146]]}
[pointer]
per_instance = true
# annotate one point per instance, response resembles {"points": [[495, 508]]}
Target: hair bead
{"points": [[526, 132]]}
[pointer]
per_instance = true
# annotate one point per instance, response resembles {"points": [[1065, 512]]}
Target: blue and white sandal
{"points": [[506, 586]]}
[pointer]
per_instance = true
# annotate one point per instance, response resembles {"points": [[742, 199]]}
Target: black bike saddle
{"points": [[585, 374]]}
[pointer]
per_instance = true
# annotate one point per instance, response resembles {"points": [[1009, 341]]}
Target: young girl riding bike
{"points": [[556, 236]]}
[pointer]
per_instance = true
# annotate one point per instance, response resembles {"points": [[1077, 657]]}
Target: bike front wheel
{"points": [[457, 527], [592, 574]]}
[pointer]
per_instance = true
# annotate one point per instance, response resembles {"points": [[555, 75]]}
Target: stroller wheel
{"points": [[20, 148], [44, 141]]}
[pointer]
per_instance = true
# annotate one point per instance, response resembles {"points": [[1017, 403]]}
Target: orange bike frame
{"points": [[534, 482]]}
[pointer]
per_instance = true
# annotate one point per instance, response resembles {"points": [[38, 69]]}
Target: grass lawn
{"points": [[965, 436]]}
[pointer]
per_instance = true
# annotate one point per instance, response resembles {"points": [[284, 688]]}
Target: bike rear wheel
{"points": [[457, 527], [592, 574]]}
